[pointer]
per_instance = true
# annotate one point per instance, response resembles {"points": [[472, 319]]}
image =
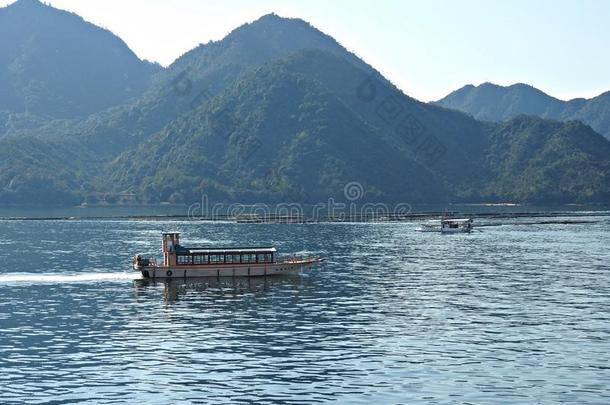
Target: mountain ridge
{"points": [[492, 102], [278, 111], [54, 63], [318, 116]]}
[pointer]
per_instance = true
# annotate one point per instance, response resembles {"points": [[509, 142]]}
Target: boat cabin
{"points": [[175, 254], [456, 225]]}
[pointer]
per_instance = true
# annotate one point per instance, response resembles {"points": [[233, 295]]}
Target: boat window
{"points": [[198, 259], [184, 259]]}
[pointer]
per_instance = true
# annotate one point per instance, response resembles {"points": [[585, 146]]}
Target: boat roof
{"points": [[230, 250], [459, 220]]}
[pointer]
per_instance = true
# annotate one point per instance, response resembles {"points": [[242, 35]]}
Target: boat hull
{"points": [[262, 270], [439, 230], [458, 230]]}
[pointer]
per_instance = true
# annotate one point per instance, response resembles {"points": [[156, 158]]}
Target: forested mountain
{"points": [[292, 130], [532, 159], [278, 111], [491, 102], [200, 74], [277, 121], [55, 64]]}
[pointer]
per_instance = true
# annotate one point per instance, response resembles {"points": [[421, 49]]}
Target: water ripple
{"points": [[514, 314]]}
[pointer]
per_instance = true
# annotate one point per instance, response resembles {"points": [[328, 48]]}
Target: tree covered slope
{"points": [[491, 102], [55, 64]]}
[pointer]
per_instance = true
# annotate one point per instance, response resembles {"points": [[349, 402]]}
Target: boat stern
{"points": [[142, 265]]}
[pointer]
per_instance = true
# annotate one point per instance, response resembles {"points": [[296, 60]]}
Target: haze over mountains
{"points": [[491, 102], [55, 64], [275, 112]]}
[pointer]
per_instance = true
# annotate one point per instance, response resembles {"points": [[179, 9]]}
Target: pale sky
{"points": [[428, 48]]}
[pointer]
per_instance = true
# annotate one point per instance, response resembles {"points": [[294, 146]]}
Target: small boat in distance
{"points": [[184, 262], [448, 225]]}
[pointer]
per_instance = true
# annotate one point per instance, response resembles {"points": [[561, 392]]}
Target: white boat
{"points": [[448, 225], [183, 262]]}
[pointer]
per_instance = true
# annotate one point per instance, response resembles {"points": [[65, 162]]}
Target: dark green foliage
{"points": [[38, 172], [545, 161]]}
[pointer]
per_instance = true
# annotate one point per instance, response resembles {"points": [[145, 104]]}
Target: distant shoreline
{"points": [[275, 219]]}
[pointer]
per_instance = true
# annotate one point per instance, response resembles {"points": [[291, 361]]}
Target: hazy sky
{"points": [[428, 48]]}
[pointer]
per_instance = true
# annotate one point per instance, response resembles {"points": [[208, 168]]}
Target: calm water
{"points": [[511, 314]]}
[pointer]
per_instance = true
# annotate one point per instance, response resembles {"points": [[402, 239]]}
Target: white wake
{"points": [[54, 278]]}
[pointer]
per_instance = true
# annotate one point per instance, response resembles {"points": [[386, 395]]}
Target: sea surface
{"points": [[512, 313]]}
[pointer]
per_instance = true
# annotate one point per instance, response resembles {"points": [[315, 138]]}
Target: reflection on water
{"points": [[174, 290], [513, 314]]}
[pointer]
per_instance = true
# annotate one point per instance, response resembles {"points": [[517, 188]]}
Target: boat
{"points": [[184, 262], [448, 225]]}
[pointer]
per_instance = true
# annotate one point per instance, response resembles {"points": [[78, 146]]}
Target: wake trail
{"points": [[54, 278]]}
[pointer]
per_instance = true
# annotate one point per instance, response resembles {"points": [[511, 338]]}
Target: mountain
{"points": [[200, 74], [40, 172], [298, 130], [491, 102], [279, 112], [532, 159], [55, 64], [278, 119]]}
